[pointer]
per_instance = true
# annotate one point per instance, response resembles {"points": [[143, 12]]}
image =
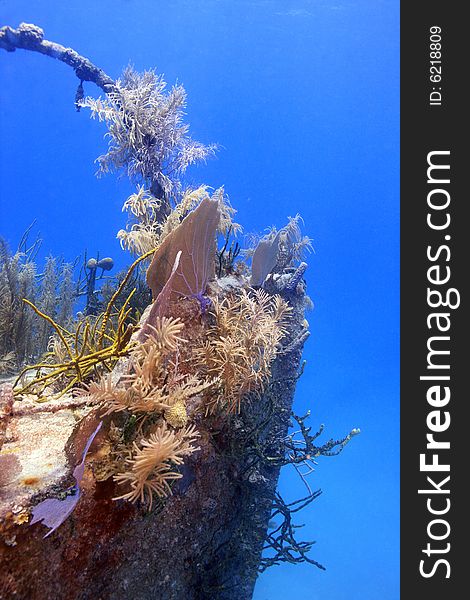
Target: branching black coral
{"points": [[226, 255], [281, 545], [299, 447], [300, 450]]}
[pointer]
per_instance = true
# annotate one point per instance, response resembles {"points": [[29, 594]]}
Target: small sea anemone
{"points": [[164, 333]]}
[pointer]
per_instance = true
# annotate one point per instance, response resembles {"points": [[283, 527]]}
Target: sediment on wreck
{"points": [[203, 542]]}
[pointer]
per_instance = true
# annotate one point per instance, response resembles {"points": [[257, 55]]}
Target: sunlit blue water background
{"points": [[303, 98]]}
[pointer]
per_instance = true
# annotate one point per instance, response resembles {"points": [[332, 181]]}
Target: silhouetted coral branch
{"points": [[31, 37], [281, 541], [226, 255], [300, 448]]}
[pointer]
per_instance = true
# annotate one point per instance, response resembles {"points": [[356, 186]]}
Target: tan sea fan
{"points": [[195, 237]]}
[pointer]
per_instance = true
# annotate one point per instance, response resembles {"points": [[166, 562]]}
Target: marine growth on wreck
{"points": [[165, 404]]}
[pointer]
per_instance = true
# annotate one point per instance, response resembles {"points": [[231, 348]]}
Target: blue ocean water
{"points": [[302, 96]]}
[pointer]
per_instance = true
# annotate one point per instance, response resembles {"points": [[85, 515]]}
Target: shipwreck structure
{"points": [[140, 457]]}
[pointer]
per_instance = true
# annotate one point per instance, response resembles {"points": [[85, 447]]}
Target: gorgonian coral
{"points": [[151, 465], [148, 225], [195, 237], [154, 395], [146, 388], [147, 136], [24, 335], [93, 345], [243, 343], [154, 385]]}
